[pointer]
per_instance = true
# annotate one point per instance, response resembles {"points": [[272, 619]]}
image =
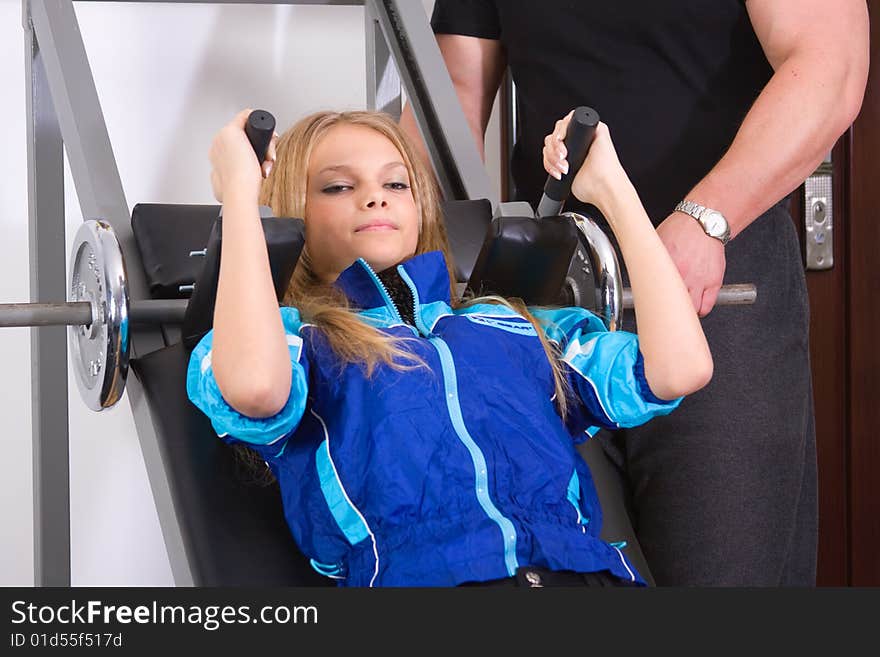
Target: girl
{"points": [[419, 440]]}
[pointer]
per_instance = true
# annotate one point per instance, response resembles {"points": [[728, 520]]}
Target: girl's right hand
{"points": [[234, 164], [600, 175]]}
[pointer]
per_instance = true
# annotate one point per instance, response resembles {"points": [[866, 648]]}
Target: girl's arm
{"points": [[676, 356], [250, 352]]}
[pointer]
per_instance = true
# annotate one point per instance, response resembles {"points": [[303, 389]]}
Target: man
{"points": [[719, 111]]}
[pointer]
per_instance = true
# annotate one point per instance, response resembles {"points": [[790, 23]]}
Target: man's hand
{"points": [[699, 258]]}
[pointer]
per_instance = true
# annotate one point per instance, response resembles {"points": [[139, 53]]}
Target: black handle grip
{"points": [[577, 142], [259, 129]]}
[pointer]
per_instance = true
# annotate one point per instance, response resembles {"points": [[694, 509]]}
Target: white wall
{"points": [[167, 76]]}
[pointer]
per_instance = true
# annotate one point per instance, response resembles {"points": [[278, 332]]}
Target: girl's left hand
{"points": [[233, 162], [600, 175]]}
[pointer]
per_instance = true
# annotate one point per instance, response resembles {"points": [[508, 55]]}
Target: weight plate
{"points": [[579, 288], [99, 351], [595, 267]]}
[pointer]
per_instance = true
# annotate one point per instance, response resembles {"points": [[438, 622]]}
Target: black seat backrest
{"points": [[284, 240], [466, 226], [525, 257], [166, 234], [180, 249]]}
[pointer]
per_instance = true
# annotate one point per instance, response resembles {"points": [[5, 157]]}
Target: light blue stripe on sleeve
{"points": [[606, 378], [559, 323], [522, 327], [489, 310], [203, 391]]}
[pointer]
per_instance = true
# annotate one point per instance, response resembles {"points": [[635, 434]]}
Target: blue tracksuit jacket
{"points": [[456, 472]]}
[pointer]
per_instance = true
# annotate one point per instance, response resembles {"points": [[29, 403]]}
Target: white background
{"points": [[168, 76]]}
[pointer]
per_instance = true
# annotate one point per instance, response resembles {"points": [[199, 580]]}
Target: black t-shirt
{"points": [[673, 79]]}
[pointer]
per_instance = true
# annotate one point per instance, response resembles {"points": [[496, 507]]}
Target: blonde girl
{"points": [[419, 440]]}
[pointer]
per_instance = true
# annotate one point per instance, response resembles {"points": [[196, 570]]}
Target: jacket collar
{"points": [[426, 271]]}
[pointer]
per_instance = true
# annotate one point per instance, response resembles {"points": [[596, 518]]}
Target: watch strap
{"points": [[691, 208], [696, 211]]}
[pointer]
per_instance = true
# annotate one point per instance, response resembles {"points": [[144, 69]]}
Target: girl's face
{"points": [[358, 202]]}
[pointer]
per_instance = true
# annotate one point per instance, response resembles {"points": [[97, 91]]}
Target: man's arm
{"points": [[819, 53], [475, 66]]}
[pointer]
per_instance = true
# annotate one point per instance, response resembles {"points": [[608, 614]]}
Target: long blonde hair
{"points": [[322, 304]]}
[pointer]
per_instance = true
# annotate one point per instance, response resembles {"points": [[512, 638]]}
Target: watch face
{"points": [[716, 224]]}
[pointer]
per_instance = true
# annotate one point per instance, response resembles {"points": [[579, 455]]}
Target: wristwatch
{"points": [[713, 222]]}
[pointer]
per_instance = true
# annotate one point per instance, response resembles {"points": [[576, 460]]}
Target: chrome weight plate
{"points": [[99, 351], [594, 276], [579, 288]]}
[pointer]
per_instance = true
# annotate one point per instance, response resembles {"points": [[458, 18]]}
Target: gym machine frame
{"points": [[64, 115]]}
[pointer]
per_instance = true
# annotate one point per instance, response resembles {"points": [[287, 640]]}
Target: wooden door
{"points": [[845, 351]]}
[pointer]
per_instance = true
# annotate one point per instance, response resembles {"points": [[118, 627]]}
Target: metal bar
{"points": [[46, 314], [51, 475], [79, 313], [87, 143], [69, 79], [172, 311], [158, 311], [383, 80], [182, 564], [351, 3], [738, 294], [437, 110], [509, 131]]}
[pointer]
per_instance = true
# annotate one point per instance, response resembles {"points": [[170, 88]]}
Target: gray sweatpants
{"points": [[723, 490]]}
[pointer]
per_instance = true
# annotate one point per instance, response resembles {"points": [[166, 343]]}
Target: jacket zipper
{"points": [[447, 365], [387, 295]]}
